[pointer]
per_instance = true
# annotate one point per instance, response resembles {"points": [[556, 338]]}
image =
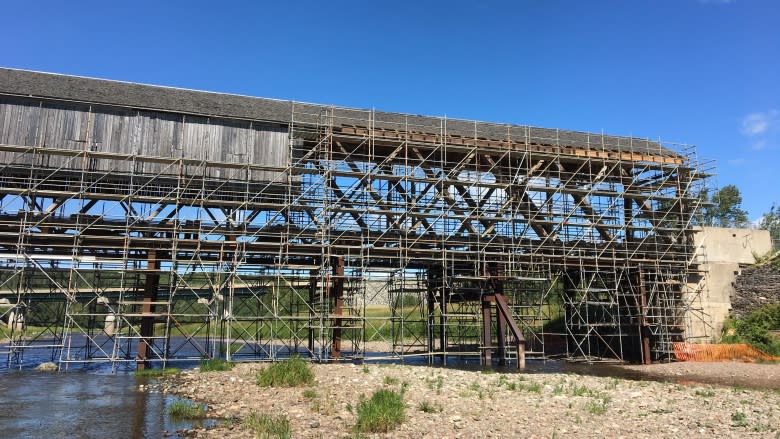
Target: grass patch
{"points": [[709, 393], [427, 407], [598, 407], [435, 383], [310, 394], [581, 391], [215, 365], [181, 409], [533, 387], [391, 381], [289, 373], [157, 372], [739, 419], [267, 426], [382, 413]]}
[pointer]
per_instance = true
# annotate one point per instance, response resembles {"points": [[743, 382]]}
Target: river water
{"points": [[82, 404]]}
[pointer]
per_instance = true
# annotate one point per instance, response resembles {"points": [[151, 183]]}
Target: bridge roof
{"points": [[160, 98]]}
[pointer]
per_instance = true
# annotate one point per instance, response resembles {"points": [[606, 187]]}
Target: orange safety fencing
{"points": [[719, 352]]}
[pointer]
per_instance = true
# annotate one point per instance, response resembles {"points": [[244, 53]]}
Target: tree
{"points": [[771, 221], [726, 208]]}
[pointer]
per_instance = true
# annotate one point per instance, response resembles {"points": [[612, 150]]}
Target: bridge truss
{"points": [[376, 239]]}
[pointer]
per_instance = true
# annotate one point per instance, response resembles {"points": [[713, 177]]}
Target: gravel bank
{"points": [[472, 404]]}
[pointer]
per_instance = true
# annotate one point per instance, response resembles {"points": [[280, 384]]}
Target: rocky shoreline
{"points": [[450, 403]]}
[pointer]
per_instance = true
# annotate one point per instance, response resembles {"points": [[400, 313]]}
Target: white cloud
{"points": [[759, 123], [759, 145]]}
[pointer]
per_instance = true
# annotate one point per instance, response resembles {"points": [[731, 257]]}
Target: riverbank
{"points": [[450, 403]]}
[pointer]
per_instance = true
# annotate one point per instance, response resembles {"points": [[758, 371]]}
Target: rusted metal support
{"points": [[312, 304], [487, 345], [431, 317], [644, 328], [503, 308], [501, 336], [337, 291], [151, 287]]}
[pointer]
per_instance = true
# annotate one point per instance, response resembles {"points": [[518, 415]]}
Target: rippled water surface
{"points": [[80, 404]]}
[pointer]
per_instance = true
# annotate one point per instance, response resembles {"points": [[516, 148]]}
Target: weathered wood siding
{"points": [[65, 125]]}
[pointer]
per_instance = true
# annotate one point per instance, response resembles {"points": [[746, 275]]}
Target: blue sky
{"points": [[690, 71]]}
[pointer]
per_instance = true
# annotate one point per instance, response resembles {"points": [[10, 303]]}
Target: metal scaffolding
{"points": [[335, 234]]}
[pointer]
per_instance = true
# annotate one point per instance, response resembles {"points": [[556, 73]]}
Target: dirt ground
{"points": [[697, 400], [734, 374]]}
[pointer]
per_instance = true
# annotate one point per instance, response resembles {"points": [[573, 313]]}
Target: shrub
{"points": [[215, 365], [380, 414], [267, 426], [181, 409], [289, 373], [754, 329]]}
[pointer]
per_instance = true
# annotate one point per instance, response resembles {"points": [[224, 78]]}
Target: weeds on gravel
{"points": [[181, 409], [390, 381], [382, 413], [581, 391], [309, 393], [156, 372], [215, 365], [435, 383], [533, 387], [267, 426], [597, 407], [427, 407], [366, 369], [709, 393], [739, 419], [763, 428], [289, 373]]}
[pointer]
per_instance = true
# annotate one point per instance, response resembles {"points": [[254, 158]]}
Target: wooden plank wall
{"points": [[76, 126]]}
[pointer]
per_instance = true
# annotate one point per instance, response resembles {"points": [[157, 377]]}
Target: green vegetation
{"points": [[390, 381], [406, 301], [380, 414], [709, 393], [725, 210], [771, 221], [289, 373], [156, 372], [754, 329], [215, 365], [310, 394], [739, 419], [427, 407], [181, 409], [435, 383], [268, 427], [532, 387], [596, 407]]}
